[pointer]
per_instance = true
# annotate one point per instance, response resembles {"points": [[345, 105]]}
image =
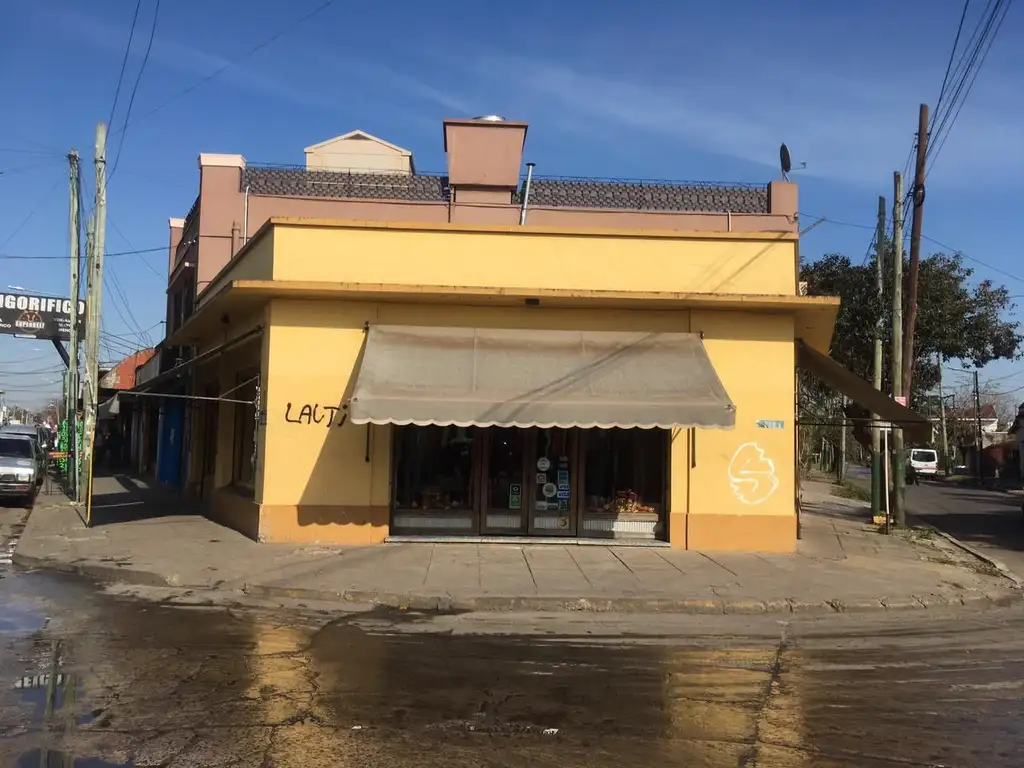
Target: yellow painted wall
{"points": [[530, 259], [747, 471], [255, 264], [315, 482]]}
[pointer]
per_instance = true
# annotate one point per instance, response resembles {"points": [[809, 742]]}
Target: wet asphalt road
{"points": [[115, 682]]}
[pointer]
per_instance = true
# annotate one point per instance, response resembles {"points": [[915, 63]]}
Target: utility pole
{"points": [[978, 443], [841, 471], [93, 300], [877, 482], [942, 418], [915, 248], [71, 393], [899, 477]]}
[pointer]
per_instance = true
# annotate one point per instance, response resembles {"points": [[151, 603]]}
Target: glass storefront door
{"points": [[552, 509], [504, 478]]}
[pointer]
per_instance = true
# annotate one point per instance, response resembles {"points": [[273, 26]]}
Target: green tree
{"points": [[955, 318]]}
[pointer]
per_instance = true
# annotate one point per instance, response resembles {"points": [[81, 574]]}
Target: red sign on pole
{"points": [[901, 400]]}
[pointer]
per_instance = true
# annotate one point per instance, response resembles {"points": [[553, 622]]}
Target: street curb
{"points": [[551, 604], [1001, 567], [107, 573], [418, 601]]}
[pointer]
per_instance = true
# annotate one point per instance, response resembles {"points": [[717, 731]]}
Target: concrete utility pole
{"points": [[899, 477], [978, 442], [915, 248], [942, 418], [841, 467], [877, 482], [93, 301], [71, 393]]}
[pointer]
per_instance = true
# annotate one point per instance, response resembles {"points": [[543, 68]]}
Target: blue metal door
{"points": [[168, 470]]}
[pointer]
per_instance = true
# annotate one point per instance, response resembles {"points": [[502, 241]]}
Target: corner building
{"points": [[621, 366]]}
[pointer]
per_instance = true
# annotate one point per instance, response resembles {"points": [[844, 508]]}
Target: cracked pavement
{"points": [[125, 681]]}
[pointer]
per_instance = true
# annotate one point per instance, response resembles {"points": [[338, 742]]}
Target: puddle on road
{"points": [[42, 758], [157, 684]]}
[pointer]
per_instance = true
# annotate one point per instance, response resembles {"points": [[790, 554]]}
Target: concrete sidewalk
{"points": [[143, 536]]}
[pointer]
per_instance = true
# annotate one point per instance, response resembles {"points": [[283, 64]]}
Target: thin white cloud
{"points": [[846, 128], [184, 58]]}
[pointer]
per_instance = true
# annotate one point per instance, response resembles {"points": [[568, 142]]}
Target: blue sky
{"points": [[642, 90]]}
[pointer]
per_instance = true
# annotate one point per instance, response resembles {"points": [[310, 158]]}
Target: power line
{"points": [[31, 213], [947, 247], [217, 72], [124, 61], [970, 85], [20, 257], [135, 88], [128, 242], [18, 151], [952, 54]]}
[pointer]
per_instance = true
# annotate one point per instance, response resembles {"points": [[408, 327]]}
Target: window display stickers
{"points": [[515, 496], [541, 478], [549, 490], [543, 464], [563, 478]]}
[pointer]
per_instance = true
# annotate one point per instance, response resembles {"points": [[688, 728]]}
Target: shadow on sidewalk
{"points": [[118, 498]]}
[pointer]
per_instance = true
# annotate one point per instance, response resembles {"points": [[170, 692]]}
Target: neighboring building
{"points": [[375, 354]]}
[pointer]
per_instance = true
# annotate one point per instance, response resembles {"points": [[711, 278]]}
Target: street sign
{"points": [[901, 400], [38, 317]]}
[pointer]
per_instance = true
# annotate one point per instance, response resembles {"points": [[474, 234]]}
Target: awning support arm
{"points": [[129, 393]]}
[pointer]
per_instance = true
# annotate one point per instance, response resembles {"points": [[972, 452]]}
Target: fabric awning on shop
{"points": [[537, 378], [108, 409], [916, 428]]}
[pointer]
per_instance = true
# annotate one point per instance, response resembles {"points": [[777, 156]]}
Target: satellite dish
{"points": [[785, 161]]}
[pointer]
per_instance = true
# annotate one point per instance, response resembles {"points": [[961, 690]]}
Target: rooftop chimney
{"points": [[484, 155]]}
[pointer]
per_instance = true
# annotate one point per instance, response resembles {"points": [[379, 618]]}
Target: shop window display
{"points": [[434, 468]]}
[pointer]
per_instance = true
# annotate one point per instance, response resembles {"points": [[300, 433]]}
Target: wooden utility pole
{"points": [[915, 248], [942, 418], [899, 477], [71, 394], [94, 305], [877, 482]]}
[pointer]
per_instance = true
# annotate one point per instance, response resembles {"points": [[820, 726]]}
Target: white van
{"points": [[923, 462]]}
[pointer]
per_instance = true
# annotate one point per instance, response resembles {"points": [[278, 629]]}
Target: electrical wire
{"points": [[950, 249], [128, 242], [220, 70], [31, 213], [135, 88], [124, 61], [981, 62], [952, 55], [108, 254]]}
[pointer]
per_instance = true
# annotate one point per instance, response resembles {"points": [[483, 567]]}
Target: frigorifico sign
{"points": [[44, 317]]}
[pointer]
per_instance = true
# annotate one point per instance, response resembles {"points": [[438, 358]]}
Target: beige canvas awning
{"points": [[530, 378], [916, 428]]}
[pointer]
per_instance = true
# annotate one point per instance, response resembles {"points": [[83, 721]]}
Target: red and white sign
{"points": [[901, 400]]}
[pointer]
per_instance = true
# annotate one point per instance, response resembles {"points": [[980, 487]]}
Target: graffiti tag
{"points": [[315, 413], [752, 474]]}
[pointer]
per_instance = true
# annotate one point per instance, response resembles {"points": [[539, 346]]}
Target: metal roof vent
{"points": [[491, 118]]}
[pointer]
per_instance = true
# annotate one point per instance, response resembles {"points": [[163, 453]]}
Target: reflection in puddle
{"points": [[153, 684]]}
